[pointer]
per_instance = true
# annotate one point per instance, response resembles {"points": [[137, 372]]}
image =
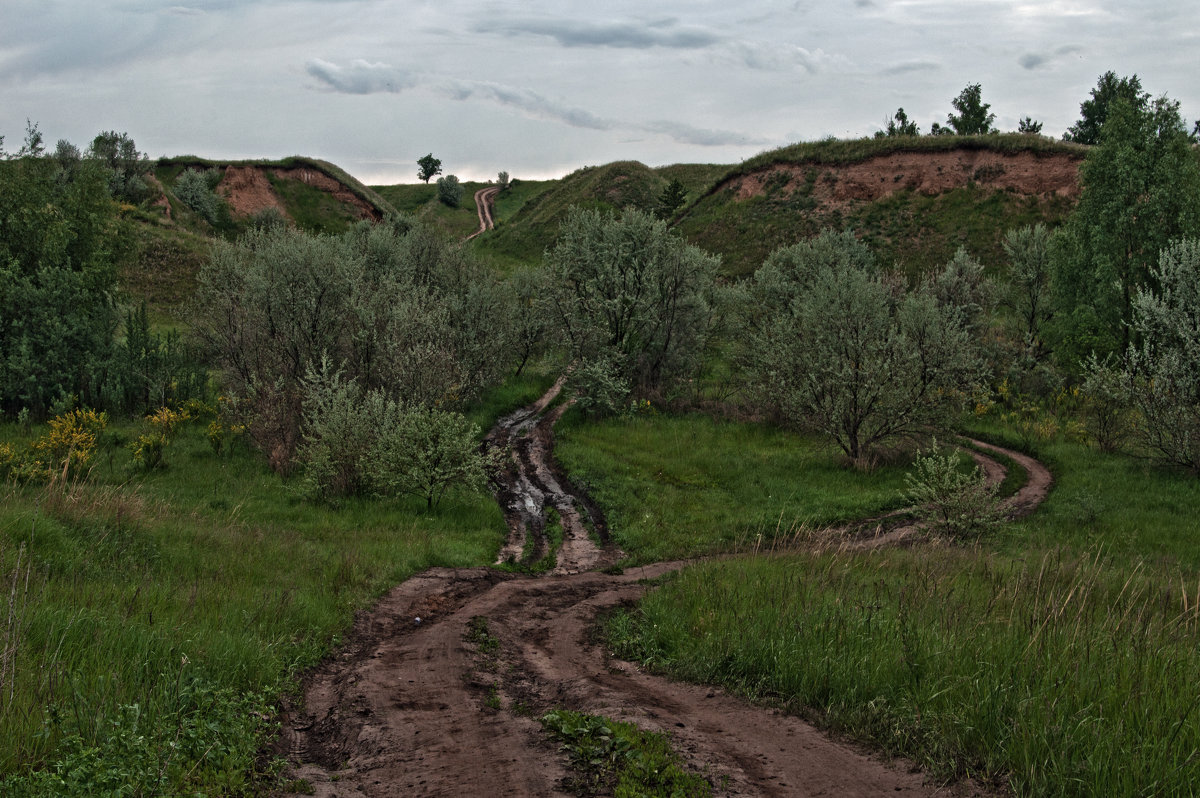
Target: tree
{"points": [[1028, 293], [671, 199], [1141, 190], [899, 125], [1094, 111], [1161, 375], [430, 167], [1029, 125], [973, 118], [194, 189], [126, 166], [628, 291], [502, 181], [450, 191], [836, 347], [58, 235]]}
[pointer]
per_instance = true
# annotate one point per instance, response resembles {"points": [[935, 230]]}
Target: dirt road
{"points": [[410, 706], [484, 204]]}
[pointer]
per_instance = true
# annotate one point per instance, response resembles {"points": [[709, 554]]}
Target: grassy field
{"points": [[1054, 657], [172, 607]]}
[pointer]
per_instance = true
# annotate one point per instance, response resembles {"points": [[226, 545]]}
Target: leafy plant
{"points": [[951, 500]]}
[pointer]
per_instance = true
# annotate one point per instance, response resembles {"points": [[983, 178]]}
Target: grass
{"points": [[189, 597], [1054, 657], [313, 209], [685, 486], [619, 759]]}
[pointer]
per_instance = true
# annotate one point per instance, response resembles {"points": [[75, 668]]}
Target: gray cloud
{"points": [[686, 134], [775, 58], [528, 101], [636, 35], [913, 66], [1035, 60], [361, 77]]}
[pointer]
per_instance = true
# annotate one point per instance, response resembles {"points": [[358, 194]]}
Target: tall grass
{"points": [[179, 603], [1061, 674]]}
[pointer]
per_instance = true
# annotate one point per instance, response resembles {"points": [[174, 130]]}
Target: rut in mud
{"points": [[410, 706]]}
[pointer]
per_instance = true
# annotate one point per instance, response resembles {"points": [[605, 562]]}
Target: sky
{"points": [[540, 88]]}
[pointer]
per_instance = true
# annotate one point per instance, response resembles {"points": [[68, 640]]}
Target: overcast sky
{"points": [[542, 87]]}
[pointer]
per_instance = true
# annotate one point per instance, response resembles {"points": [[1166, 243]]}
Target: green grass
{"points": [[313, 209], [1056, 656], [208, 574], [684, 486], [619, 759]]}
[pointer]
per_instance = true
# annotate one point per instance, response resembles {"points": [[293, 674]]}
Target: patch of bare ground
{"points": [[247, 191], [413, 705], [929, 173]]}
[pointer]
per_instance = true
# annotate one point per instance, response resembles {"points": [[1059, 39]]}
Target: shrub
{"points": [[450, 191], [194, 190], [950, 500]]}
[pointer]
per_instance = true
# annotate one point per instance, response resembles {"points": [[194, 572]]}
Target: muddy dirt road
{"points": [[410, 706]]}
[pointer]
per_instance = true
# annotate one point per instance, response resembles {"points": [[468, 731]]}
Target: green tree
{"points": [[973, 117], [1161, 375], [1141, 190], [1028, 286], [1094, 111], [58, 235], [450, 191], [1029, 125], [898, 125], [126, 166], [671, 199], [195, 191], [836, 347], [503, 182], [430, 167], [628, 291]]}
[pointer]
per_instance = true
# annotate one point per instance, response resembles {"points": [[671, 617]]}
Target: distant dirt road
{"points": [[410, 706], [484, 200]]}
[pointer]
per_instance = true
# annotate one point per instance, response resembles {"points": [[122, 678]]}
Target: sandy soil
{"points": [[485, 199], [409, 706], [926, 173], [248, 191]]}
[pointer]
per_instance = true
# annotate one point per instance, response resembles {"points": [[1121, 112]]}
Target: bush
{"points": [[450, 191], [194, 189], [950, 500]]}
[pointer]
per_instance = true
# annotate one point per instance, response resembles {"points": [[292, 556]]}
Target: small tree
{"points": [[973, 117], [1028, 294], [671, 199], [502, 181], [898, 125], [949, 499], [1029, 125], [193, 189], [450, 191], [126, 166], [430, 168], [841, 349]]}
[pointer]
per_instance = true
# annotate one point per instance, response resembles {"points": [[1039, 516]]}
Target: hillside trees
{"points": [[394, 308], [126, 166], [838, 347], [1141, 190], [898, 125], [450, 191], [57, 280], [630, 295]]}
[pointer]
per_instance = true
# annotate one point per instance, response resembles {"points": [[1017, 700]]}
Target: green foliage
{"points": [[1094, 111], [392, 305], [58, 233], [952, 501], [1027, 291], [838, 348], [430, 167], [359, 442], [627, 291], [618, 759], [450, 191], [126, 167], [671, 199], [502, 181], [1029, 125], [599, 386], [898, 125], [973, 117], [1141, 190]]}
